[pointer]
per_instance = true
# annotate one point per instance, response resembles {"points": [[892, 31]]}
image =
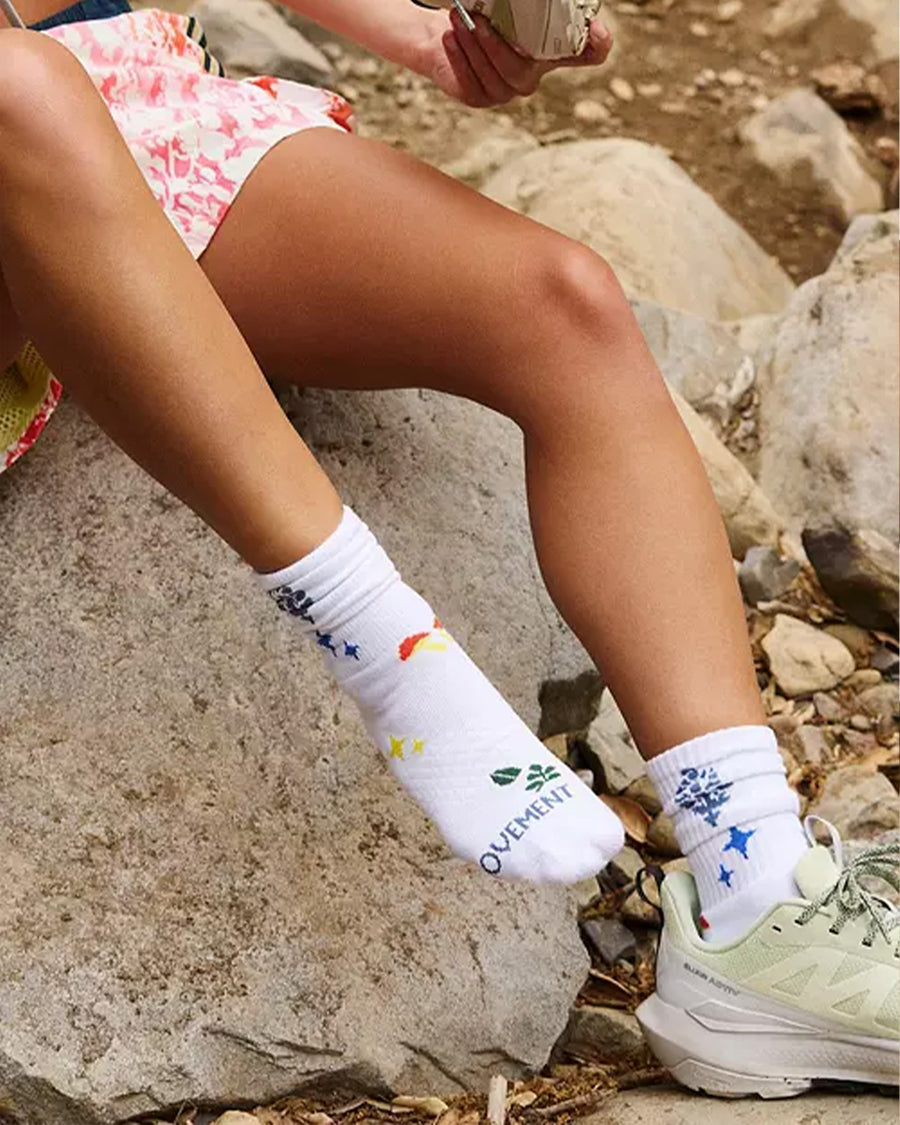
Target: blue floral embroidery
{"points": [[702, 793], [725, 875], [737, 841], [351, 650], [294, 602]]}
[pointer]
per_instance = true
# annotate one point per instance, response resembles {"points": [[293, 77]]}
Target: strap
{"points": [[11, 14]]}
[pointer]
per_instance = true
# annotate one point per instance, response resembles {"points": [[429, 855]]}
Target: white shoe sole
{"points": [[735, 1064]]}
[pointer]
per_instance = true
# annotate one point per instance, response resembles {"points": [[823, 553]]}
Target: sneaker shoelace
{"points": [[851, 899]]}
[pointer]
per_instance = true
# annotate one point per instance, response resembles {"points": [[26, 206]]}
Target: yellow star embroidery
{"points": [[397, 745], [418, 746]]}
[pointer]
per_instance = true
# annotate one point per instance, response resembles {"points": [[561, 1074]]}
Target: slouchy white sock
{"points": [[498, 796], [737, 821]]}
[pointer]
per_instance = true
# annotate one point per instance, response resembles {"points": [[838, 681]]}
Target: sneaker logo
{"points": [[435, 640], [703, 793], [722, 985], [538, 776], [514, 830], [737, 841]]}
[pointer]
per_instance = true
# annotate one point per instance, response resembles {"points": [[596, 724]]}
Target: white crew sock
{"points": [[737, 821], [498, 796]]}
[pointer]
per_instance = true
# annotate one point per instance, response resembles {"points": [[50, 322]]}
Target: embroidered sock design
{"points": [[702, 793], [736, 820], [738, 840], [538, 776], [498, 796]]}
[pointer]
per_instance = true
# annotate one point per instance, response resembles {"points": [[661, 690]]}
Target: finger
{"points": [[470, 91], [599, 45], [492, 82], [517, 71]]}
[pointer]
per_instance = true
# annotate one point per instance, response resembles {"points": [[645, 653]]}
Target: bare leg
{"points": [[188, 402], [486, 304], [545, 336], [182, 395]]}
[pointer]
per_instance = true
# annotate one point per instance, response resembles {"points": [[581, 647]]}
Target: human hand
{"points": [[479, 68]]}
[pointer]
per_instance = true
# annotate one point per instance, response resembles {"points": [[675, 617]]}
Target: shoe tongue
{"points": [[816, 872]]}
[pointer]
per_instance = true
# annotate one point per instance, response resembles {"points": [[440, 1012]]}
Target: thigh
{"points": [[348, 264]]}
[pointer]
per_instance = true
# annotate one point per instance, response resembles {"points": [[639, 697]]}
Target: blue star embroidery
{"points": [[351, 650], [725, 875], [324, 640], [737, 841]]}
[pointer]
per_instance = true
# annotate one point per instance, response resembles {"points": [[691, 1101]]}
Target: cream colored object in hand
{"points": [[543, 29]]}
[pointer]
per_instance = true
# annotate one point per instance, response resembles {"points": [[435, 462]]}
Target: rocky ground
{"points": [[686, 75], [220, 931]]}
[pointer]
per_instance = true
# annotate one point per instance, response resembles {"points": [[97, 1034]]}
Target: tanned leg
{"points": [[99, 280], [443, 288]]}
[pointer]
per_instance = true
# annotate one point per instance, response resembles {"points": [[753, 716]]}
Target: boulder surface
{"points": [[214, 892], [799, 136], [618, 197], [829, 392]]}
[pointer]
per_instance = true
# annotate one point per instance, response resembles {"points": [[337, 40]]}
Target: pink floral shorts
{"points": [[195, 134]]}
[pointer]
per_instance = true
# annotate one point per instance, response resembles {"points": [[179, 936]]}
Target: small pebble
{"points": [[860, 722], [622, 89], [887, 151], [728, 9], [827, 707], [699, 30], [649, 89], [885, 660], [590, 112], [732, 78], [863, 678]]}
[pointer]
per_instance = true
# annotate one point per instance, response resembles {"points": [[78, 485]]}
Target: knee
{"points": [[582, 329], [578, 287]]}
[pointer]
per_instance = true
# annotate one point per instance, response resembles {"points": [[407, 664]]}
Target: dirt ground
{"points": [[671, 53]]}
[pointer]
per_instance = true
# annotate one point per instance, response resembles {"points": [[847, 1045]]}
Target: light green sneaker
{"points": [[810, 993], [543, 29]]}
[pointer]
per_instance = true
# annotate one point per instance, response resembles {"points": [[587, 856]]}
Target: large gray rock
{"points": [[800, 138], [610, 749], [213, 891], [866, 29], [251, 37], [600, 1035], [829, 391], [700, 358], [860, 571], [619, 197], [859, 803], [749, 516]]}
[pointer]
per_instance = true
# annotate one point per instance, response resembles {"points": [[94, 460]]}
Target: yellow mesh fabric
{"points": [[23, 386]]}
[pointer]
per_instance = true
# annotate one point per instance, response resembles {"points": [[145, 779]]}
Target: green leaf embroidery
{"points": [[505, 776], [539, 776]]}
